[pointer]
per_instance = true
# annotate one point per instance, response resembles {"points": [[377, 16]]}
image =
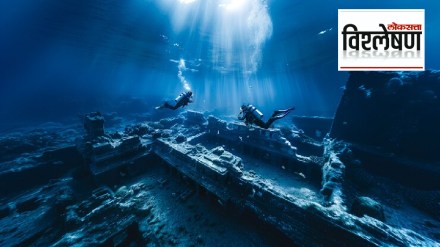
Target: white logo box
{"points": [[380, 60]]}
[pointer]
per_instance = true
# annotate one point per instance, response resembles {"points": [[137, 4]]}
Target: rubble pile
{"points": [[108, 218]]}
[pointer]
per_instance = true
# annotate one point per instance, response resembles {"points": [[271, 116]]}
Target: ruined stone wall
{"points": [[397, 112]]}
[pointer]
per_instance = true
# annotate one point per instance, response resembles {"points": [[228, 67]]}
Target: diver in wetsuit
{"points": [[181, 101], [251, 115]]}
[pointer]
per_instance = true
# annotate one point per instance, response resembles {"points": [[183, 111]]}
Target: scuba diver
{"points": [[181, 101], [251, 115]]}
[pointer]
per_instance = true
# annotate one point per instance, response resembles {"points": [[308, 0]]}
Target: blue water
{"points": [[60, 58]]}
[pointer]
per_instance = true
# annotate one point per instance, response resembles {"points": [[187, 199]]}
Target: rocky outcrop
{"points": [[392, 120], [397, 112], [367, 206], [194, 118], [94, 125], [333, 171]]}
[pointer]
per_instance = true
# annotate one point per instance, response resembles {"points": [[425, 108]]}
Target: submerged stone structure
{"points": [[342, 189], [307, 218]]}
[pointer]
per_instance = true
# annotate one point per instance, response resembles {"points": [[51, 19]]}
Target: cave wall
{"points": [[396, 112]]}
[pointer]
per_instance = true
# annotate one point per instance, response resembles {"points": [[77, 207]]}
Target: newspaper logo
{"points": [[381, 39]]}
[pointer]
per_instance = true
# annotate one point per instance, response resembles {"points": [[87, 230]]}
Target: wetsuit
{"points": [[252, 115]]}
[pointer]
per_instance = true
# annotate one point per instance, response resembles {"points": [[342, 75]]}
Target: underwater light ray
{"points": [[187, 1], [233, 5], [233, 35], [248, 28]]}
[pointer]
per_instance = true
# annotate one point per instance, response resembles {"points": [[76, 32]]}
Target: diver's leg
{"points": [[269, 122], [161, 106], [262, 124], [174, 107], [278, 114], [167, 105]]}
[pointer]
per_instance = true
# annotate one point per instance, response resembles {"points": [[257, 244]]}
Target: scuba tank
{"points": [[180, 97], [255, 112], [183, 99]]}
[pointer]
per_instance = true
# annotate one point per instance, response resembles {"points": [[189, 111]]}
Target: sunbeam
{"points": [[231, 35]]}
